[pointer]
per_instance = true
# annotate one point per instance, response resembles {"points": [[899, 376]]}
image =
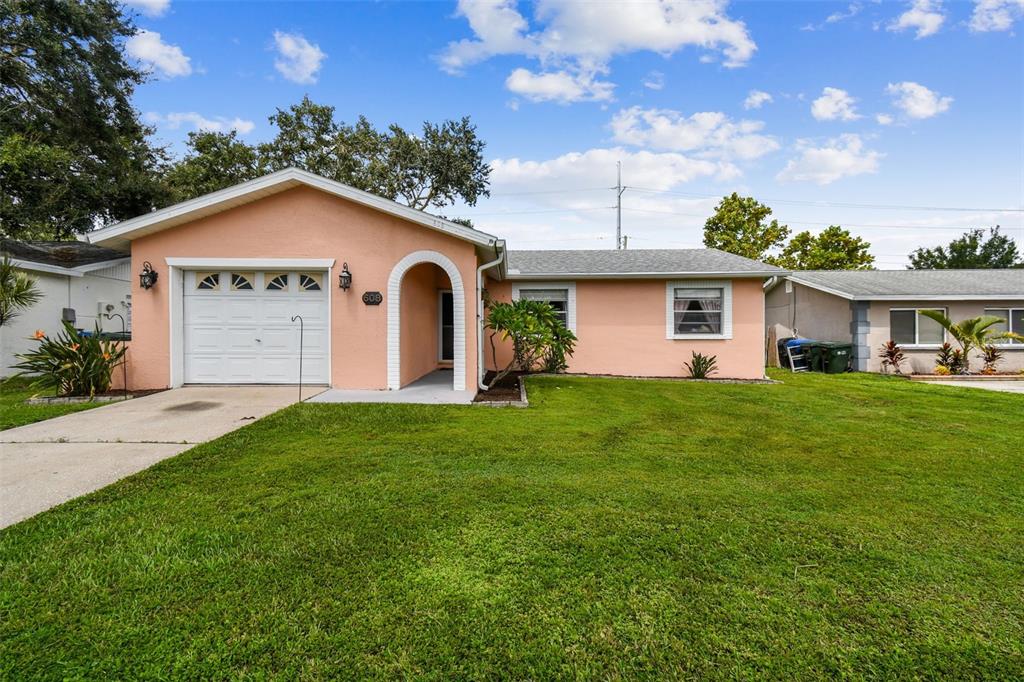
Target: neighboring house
{"points": [[236, 265], [869, 307], [79, 276]]}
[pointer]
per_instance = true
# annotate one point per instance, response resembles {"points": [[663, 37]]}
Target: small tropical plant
{"points": [[539, 339], [701, 366], [18, 291], [949, 360], [72, 363], [990, 355], [892, 356], [972, 333]]}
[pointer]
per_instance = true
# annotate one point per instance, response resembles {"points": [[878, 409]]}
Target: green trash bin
{"points": [[815, 352], [835, 358]]}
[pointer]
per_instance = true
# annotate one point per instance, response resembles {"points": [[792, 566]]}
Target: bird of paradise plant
{"points": [[72, 363], [972, 333]]}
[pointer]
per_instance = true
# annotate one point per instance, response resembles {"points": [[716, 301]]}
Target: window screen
{"points": [[697, 311], [902, 326], [556, 298]]}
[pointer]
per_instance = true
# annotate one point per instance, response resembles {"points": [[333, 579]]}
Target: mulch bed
{"points": [[505, 391]]}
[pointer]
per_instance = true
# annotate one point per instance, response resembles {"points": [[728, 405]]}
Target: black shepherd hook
{"points": [[301, 325], [124, 360]]}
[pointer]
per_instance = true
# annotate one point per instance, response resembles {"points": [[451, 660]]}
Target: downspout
{"points": [[480, 317]]}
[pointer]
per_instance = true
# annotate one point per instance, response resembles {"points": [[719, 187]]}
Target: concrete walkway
{"points": [[1008, 386], [53, 461], [433, 389]]}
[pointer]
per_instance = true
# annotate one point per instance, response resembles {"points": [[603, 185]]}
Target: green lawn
{"points": [[14, 392], [832, 526]]}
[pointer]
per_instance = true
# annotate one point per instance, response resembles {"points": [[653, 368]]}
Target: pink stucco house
{"points": [[235, 266]]}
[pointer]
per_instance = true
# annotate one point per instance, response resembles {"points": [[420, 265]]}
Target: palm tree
{"points": [[974, 332], [17, 291]]}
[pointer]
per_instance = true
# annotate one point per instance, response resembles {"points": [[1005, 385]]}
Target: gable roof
{"points": [[120, 234], [634, 263], [71, 257], [866, 285]]}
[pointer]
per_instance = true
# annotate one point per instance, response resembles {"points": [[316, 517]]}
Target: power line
{"points": [[836, 204], [815, 222]]}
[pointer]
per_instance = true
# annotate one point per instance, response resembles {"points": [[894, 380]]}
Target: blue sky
{"points": [[825, 111]]}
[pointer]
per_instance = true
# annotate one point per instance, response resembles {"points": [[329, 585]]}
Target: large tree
{"points": [[72, 150], [831, 249], [740, 225], [213, 161], [970, 250], [432, 169]]}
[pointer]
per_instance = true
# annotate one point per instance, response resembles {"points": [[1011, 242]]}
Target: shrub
{"points": [[892, 356], [73, 363], [537, 334], [990, 355], [949, 360], [701, 366]]}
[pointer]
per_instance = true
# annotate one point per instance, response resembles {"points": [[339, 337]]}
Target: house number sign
{"points": [[372, 298]]}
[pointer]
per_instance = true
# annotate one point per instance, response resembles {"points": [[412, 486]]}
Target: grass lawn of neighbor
{"points": [[828, 526], [14, 391]]}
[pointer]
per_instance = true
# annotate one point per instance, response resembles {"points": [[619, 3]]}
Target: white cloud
{"points": [[151, 8], [834, 104], [884, 119], [923, 15], [756, 99], [594, 167], [917, 101], [996, 15], [655, 80], [196, 121], [841, 157], [851, 11], [581, 38], [299, 59], [558, 86], [709, 134], [156, 55]]}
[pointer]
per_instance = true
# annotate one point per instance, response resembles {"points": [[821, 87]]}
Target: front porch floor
{"points": [[433, 389]]}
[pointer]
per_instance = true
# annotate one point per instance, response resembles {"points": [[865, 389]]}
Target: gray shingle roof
{"points": [[868, 284], [62, 254], [633, 262]]}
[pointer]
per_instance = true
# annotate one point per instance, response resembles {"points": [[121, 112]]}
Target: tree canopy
{"points": [[831, 249], [740, 225], [72, 150], [432, 169], [970, 250]]}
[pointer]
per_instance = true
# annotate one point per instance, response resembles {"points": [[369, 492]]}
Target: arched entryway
{"points": [[395, 316]]}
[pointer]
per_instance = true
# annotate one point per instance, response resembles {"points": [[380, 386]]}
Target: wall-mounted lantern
{"points": [[345, 278], [147, 278]]}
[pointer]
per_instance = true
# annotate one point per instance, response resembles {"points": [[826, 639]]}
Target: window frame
{"points": [[570, 304], [917, 328], [670, 298], [1006, 343]]}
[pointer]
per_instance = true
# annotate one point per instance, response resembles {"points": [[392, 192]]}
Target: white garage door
{"points": [[239, 329]]}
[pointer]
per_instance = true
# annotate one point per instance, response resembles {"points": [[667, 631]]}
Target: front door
{"points": [[446, 320]]}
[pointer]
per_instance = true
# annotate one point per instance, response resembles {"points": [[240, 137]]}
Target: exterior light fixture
{"points": [[345, 278], [147, 278]]}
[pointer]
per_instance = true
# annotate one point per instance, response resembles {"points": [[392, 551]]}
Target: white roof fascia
{"points": [[125, 229]]}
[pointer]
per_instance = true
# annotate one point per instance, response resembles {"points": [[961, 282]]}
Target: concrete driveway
{"points": [[50, 462]]}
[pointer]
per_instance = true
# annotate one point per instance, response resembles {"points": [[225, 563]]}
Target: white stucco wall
{"points": [[84, 294], [923, 359]]}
